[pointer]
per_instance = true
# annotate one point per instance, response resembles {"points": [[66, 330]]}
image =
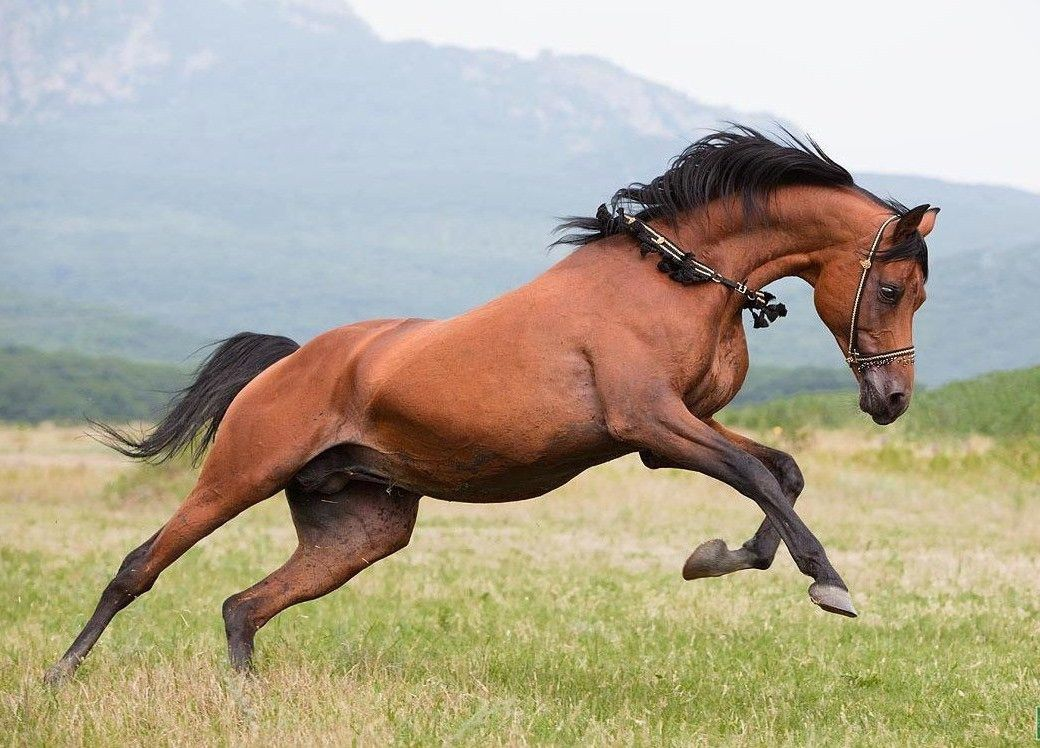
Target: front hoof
{"points": [[709, 559], [833, 599]]}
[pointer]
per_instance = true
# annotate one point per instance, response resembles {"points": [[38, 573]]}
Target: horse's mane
{"points": [[739, 161]]}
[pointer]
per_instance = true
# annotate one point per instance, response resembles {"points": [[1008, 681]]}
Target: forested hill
{"points": [[37, 386]]}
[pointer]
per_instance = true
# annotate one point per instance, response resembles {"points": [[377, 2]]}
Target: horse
{"points": [[598, 357]]}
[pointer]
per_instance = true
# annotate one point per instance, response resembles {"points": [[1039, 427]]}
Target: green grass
{"points": [[556, 621]]}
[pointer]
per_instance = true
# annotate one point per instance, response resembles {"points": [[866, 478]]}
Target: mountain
{"points": [[216, 166]]}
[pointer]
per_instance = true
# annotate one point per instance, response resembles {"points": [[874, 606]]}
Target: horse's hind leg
{"points": [[339, 535], [203, 511], [236, 476]]}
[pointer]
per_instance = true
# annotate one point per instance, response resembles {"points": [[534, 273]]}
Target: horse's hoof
{"points": [[57, 674], [709, 559], [833, 599]]}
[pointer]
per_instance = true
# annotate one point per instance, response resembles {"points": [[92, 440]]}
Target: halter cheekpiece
{"points": [[684, 267], [854, 358]]}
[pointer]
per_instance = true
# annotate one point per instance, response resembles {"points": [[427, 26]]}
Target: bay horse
{"points": [[598, 357]]}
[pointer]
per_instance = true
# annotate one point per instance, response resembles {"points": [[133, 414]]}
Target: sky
{"points": [[944, 89]]}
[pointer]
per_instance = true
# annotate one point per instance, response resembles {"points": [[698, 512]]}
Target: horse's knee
{"points": [[397, 540], [398, 534], [789, 475], [392, 531]]}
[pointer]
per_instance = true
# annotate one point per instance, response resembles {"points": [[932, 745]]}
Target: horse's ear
{"points": [[928, 220], [921, 218]]}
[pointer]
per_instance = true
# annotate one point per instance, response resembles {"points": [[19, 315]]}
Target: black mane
{"points": [[739, 161]]}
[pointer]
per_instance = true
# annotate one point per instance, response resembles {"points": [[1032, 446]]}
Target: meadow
{"points": [[562, 620]]}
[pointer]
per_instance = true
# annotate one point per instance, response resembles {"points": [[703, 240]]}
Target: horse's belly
{"points": [[514, 483], [479, 471], [482, 474]]}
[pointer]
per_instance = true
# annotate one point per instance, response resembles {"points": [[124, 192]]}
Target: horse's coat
{"points": [[598, 357]]}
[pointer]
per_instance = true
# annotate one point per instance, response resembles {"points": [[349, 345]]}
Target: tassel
{"points": [[766, 311]]}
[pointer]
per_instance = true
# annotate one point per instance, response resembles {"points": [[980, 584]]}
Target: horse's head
{"points": [[867, 294]]}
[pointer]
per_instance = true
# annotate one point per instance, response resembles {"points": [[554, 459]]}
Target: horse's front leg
{"points": [[713, 558], [668, 429]]}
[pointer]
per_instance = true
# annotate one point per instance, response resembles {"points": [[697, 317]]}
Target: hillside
{"points": [[53, 324], [1003, 404], [37, 386], [217, 166]]}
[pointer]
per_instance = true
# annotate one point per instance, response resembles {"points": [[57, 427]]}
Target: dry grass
{"points": [[562, 620]]}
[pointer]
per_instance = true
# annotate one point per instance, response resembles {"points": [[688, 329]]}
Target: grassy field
{"points": [[557, 621]]}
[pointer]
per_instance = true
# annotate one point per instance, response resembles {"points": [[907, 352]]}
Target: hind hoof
{"points": [[709, 559], [833, 599], [58, 674]]}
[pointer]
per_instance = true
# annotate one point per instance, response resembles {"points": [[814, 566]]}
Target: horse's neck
{"points": [[802, 226], [805, 227]]}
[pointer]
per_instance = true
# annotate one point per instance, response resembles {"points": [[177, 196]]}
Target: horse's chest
{"points": [[722, 380]]}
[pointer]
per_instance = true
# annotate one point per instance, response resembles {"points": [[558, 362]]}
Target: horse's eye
{"points": [[888, 294]]}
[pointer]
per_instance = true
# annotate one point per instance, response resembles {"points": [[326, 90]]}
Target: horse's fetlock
{"points": [[762, 563]]}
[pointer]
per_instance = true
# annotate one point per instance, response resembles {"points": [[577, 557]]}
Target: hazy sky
{"points": [[939, 88]]}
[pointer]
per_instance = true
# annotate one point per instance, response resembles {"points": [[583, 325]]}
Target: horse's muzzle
{"points": [[884, 393]]}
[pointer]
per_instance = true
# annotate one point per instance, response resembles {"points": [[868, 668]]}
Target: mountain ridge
{"points": [[277, 166]]}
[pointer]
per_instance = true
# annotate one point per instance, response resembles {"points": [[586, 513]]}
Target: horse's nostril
{"points": [[897, 399]]}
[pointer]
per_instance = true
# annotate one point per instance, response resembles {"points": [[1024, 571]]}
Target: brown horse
{"points": [[598, 357]]}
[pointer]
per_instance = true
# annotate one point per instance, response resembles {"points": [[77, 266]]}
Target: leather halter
{"points": [[854, 358]]}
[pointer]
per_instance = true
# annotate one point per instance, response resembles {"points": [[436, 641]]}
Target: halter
{"points": [[685, 268], [854, 358]]}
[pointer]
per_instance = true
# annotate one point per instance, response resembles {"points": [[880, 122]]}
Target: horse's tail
{"points": [[196, 411]]}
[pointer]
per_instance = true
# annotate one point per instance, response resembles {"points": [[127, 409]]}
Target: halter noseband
{"points": [[854, 358]]}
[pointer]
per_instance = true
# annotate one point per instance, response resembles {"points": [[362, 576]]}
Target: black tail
{"points": [[201, 406]]}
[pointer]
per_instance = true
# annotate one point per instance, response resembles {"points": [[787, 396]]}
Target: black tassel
{"points": [[766, 311], [680, 272]]}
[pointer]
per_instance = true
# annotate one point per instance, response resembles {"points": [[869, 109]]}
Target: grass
{"points": [[557, 621]]}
